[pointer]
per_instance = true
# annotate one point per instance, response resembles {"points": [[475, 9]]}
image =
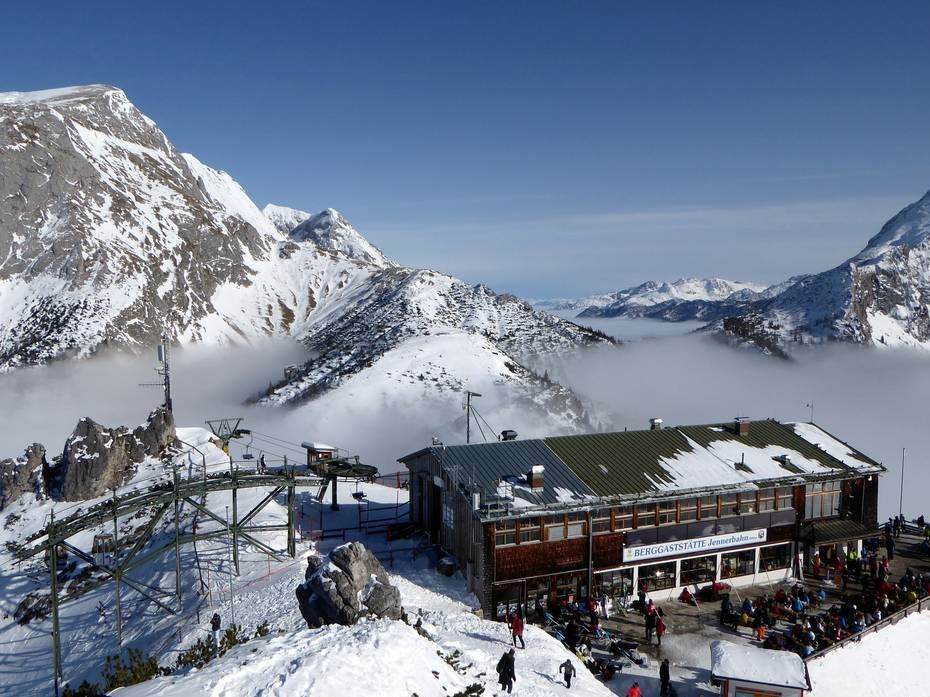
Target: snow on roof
{"points": [[761, 666], [831, 445], [319, 447]]}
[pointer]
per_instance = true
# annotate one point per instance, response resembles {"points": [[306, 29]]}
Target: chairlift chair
{"points": [[248, 454]]}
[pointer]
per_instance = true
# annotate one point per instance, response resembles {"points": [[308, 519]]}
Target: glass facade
{"points": [[698, 570], [822, 500], [774, 558], [657, 576], [738, 564]]}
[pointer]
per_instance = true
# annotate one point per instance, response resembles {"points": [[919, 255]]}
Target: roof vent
{"points": [[655, 424], [535, 477], [509, 434], [741, 426]]}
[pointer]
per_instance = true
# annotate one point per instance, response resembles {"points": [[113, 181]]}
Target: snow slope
{"points": [[889, 662]]}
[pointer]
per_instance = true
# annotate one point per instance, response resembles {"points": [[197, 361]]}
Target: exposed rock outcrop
{"points": [[21, 475], [347, 586], [96, 458]]}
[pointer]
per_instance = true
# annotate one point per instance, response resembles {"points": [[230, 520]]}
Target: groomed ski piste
{"points": [[389, 658]]}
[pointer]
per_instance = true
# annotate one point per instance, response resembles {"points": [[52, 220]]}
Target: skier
{"points": [[634, 691], [568, 672], [262, 469], [506, 675], [665, 678], [516, 629], [215, 627]]}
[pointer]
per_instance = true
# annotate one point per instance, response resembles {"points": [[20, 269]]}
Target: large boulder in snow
{"points": [[96, 458], [348, 585], [22, 475]]}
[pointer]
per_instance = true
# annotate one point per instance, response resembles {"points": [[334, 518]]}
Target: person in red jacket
{"points": [[516, 629], [634, 691], [660, 629]]}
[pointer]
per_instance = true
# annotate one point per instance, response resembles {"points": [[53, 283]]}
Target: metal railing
{"points": [[919, 606]]}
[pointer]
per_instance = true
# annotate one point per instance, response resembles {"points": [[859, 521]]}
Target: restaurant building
{"points": [[745, 502]]}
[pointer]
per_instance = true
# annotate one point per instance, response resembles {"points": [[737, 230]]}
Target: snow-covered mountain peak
{"points": [[62, 95], [909, 228], [285, 218], [331, 231]]}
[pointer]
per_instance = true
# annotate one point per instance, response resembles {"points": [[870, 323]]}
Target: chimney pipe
{"points": [[741, 425], [655, 424], [535, 477]]}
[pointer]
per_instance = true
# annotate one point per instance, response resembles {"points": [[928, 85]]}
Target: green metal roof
{"points": [[626, 462]]}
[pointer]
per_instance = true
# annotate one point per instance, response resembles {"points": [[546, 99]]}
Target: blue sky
{"points": [[546, 148]]}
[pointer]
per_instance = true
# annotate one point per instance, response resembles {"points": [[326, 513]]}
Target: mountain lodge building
{"points": [[743, 502]]}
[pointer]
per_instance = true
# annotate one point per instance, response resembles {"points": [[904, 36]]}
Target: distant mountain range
{"points": [[109, 236], [879, 297]]}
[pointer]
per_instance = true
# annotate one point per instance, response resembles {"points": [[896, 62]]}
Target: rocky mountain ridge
{"points": [[109, 237]]}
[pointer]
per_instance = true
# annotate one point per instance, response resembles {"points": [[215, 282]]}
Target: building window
{"points": [[784, 497], [738, 564], [657, 576], [616, 584], [566, 587], [747, 503], [822, 500], [668, 512], [698, 570], [576, 524], [448, 516], [600, 521], [729, 505], [687, 510], [645, 515], [777, 557], [555, 529], [623, 518], [708, 507], [505, 533], [766, 500], [529, 530]]}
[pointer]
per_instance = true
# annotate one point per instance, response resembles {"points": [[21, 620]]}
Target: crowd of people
{"points": [[812, 621]]}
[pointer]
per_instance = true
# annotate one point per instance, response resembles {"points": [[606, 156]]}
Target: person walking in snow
{"points": [[215, 627], [660, 629], [516, 629], [261, 464], [650, 626], [665, 678], [634, 691], [506, 673], [568, 672]]}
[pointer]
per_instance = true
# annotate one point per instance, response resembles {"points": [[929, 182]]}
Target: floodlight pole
{"points": [[468, 395]]}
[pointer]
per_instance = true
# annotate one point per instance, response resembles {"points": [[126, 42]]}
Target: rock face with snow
{"points": [[21, 475], [96, 458], [109, 236], [880, 297], [348, 585]]}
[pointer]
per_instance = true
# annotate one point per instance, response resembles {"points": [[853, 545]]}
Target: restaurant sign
{"points": [[695, 545]]}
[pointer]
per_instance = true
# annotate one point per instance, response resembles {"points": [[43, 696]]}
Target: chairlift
{"points": [[359, 495], [248, 455]]}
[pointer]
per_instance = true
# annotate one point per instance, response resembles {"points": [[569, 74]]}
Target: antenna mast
{"points": [[162, 355]]}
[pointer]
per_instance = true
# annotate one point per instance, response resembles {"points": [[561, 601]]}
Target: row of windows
{"points": [[607, 520], [822, 500], [699, 570]]}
